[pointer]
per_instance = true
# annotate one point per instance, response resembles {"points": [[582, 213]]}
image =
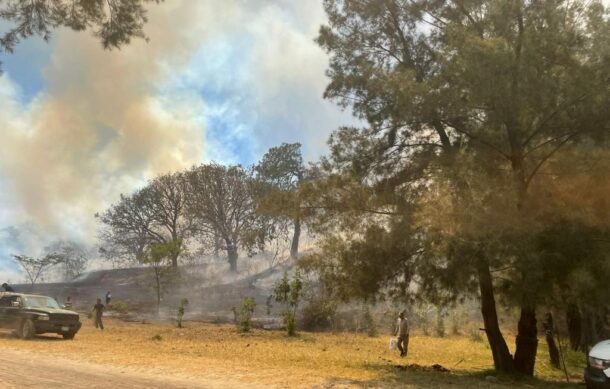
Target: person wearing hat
{"points": [[402, 334]]}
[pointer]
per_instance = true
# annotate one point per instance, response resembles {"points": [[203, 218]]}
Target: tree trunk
{"points": [[503, 360], [174, 257], [294, 248], [549, 332], [527, 341], [232, 253], [574, 321]]}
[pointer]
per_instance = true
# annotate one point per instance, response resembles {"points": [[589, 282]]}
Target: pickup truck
{"points": [[28, 315]]}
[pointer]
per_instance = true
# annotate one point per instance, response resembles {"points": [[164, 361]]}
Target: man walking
{"points": [[402, 332], [98, 310], [108, 297]]}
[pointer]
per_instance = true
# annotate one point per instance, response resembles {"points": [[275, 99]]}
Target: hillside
{"points": [[212, 290]]}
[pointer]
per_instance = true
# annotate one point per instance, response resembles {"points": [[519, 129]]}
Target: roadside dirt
{"points": [[25, 369]]}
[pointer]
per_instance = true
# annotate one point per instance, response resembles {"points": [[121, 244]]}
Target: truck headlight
{"points": [[597, 363], [43, 317]]}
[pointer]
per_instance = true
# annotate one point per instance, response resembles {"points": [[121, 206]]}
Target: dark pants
{"points": [[98, 322], [403, 345]]}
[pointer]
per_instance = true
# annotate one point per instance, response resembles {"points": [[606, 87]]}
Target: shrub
{"points": [[157, 338], [246, 310], [289, 293], [183, 303], [318, 314], [118, 306]]}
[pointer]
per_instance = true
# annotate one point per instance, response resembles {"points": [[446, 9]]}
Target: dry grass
{"points": [[311, 359]]}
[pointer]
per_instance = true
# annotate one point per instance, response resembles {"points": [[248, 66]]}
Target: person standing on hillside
{"points": [[108, 297], [98, 311], [402, 333]]}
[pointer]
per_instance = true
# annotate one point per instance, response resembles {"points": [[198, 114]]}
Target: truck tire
{"points": [[27, 329], [68, 335]]}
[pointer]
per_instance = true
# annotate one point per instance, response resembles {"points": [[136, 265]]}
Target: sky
{"points": [[216, 81]]}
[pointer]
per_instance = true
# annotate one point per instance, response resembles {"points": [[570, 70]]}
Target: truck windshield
{"points": [[40, 302]]}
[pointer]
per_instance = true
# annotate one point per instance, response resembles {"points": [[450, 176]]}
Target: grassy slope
{"points": [[272, 358]]}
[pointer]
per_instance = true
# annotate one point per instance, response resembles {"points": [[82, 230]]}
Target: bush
{"points": [[289, 322], [118, 306], [183, 303], [289, 293], [318, 314], [246, 310], [157, 338]]}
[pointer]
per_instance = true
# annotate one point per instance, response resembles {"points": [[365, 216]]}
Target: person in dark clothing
{"points": [[108, 297], [7, 288], [98, 311]]}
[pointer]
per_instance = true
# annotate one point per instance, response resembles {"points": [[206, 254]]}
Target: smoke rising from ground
{"points": [[217, 81]]}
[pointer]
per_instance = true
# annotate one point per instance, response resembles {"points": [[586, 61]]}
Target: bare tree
{"points": [[223, 205], [36, 267], [155, 214], [72, 258]]}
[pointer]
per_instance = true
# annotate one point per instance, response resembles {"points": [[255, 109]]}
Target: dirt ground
{"points": [[27, 369], [138, 355]]}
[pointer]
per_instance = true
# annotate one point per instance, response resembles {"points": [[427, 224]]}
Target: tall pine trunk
{"points": [[294, 247], [527, 341], [574, 322], [503, 360]]}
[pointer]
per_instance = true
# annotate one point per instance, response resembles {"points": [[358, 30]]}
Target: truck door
{"points": [[12, 311], [4, 303]]}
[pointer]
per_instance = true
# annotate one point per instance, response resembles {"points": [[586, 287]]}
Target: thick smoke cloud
{"points": [[216, 81]]}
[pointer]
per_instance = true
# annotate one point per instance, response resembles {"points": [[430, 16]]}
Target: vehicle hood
{"points": [[601, 350], [51, 310]]}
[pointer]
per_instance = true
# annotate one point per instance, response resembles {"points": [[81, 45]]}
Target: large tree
{"points": [[156, 214], [283, 170], [493, 90], [114, 22], [223, 205]]}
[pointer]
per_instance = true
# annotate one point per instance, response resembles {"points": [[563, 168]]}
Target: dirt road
{"points": [[25, 369]]}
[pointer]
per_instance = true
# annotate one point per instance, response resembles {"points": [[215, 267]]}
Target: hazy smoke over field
{"points": [[101, 126], [103, 122]]}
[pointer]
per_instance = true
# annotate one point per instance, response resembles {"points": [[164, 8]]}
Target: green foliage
{"points": [[115, 23], [181, 308], [246, 310], [318, 314], [118, 306], [478, 141], [157, 338], [158, 260], [289, 293]]}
